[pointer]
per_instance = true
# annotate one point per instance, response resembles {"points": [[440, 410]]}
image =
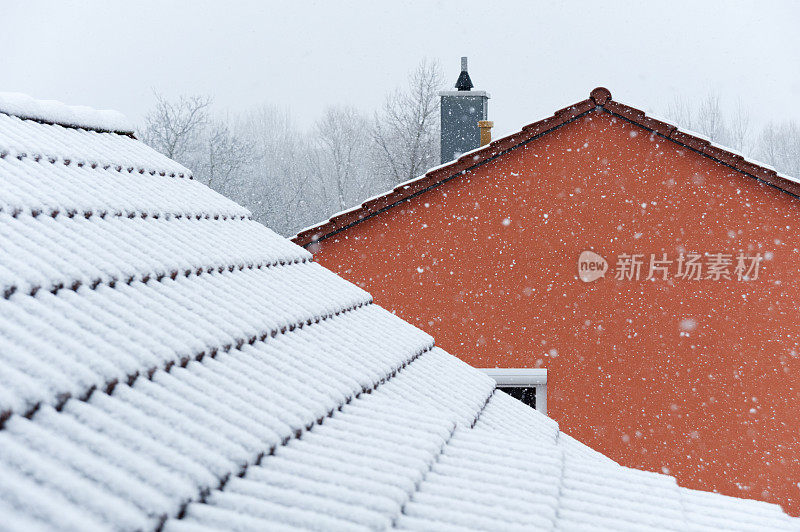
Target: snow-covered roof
{"points": [[166, 363], [54, 112]]}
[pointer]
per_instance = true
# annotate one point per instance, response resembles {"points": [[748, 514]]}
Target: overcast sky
{"points": [[533, 57]]}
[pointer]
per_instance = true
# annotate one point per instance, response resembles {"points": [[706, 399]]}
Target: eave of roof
{"points": [[599, 101], [52, 112]]}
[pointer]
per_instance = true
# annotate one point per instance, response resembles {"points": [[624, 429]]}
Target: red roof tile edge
{"points": [[599, 101]]}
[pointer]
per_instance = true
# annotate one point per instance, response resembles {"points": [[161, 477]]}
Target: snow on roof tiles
{"points": [[167, 363], [53, 112]]}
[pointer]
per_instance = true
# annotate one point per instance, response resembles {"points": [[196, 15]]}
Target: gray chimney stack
{"points": [[461, 110]]}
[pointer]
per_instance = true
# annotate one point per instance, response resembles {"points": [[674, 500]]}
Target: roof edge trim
{"points": [[599, 100], [52, 112]]}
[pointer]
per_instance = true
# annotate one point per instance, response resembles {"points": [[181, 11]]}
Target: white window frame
{"points": [[522, 378]]}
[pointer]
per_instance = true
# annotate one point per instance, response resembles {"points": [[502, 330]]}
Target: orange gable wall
{"points": [[716, 406]]}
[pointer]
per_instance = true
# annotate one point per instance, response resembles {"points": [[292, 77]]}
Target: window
{"points": [[526, 384]]}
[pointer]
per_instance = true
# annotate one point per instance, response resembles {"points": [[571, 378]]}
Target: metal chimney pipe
{"points": [[463, 83]]}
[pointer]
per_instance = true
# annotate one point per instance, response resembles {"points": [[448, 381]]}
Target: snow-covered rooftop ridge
{"points": [[166, 363], [600, 98], [728, 149], [54, 112]]}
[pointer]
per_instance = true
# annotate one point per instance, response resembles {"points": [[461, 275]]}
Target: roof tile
{"points": [[722, 155], [691, 141], [600, 95], [634, 115]]}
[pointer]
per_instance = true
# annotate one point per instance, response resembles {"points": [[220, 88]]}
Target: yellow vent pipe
{"points": [[486, 131]]}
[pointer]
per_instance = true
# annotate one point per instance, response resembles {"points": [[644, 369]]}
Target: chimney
{"points": [[461, 110]]}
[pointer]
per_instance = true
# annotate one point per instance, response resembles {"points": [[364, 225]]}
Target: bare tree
{"points": [[288, 178], [779, 145], [710, 121], [680, 112], [283, 190], [739, 131], [175, 127], [222, 157], [776, 144], [707, 119], [406, 130], [342, 140], [769, 144], [183, 130]]}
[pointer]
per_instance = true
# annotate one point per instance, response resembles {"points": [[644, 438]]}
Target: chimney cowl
{"points": [[464, 83]]}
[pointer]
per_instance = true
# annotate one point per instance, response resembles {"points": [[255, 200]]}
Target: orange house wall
{"points": [[717, 406]]}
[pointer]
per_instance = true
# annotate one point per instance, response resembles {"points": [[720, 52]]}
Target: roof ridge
{"points": [[53, 112], [600, 100]]}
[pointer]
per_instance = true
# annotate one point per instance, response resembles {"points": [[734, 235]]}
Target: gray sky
{"points": [[533, 57]]}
